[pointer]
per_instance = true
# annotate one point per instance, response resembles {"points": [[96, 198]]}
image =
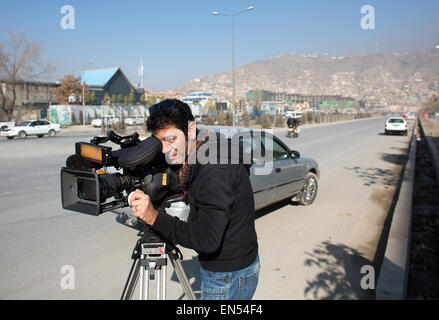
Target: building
{"points": [[197, 101], [32, 98], [110, 81], [315, 101]]}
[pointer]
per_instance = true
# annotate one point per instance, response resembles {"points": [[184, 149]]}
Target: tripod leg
{"points": [[142, 282], [182, 278], [164, 283], [159, 275], [131, 282]]}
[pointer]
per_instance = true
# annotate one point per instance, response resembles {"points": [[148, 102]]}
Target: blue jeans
{"points": [[235, 285]]}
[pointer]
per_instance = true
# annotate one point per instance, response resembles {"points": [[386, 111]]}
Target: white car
{"points": [[32, 128], [410, 116], [395, 124], [96, 123], [293, 114]]}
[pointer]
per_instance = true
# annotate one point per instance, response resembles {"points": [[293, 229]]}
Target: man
{"points": [[220, 226], [292, 122]]}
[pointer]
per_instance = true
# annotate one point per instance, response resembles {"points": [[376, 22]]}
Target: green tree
{"points": [[210, 106], [105, 100], [142, 99], [90, 97], [119, 98], [131, 98], [126, 101]]}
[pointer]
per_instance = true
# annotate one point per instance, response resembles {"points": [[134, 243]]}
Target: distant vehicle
{"points": [[134, 121], [37, 128], [395, 125], [6, 125], [108, 120], [129, 121], [410, 116], [293, 114], [96, 123], [293, 132]]}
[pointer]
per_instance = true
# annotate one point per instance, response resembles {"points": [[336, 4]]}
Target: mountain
{"points": [[395, 78]]}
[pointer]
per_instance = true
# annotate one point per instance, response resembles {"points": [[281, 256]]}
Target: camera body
{"points": [[86, 189]]}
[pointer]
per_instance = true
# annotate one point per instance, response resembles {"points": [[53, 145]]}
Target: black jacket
{"points": [[221, 222], [292, 122]]}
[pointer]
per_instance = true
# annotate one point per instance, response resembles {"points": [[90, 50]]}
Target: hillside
{"points": [[398, 78]]}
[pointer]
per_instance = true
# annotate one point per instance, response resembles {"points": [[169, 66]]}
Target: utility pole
{"points": [[216, 13]]}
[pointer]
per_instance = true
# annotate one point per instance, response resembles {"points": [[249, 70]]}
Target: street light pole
{"points": [[233, 71], [83, 94], [216, 13]]}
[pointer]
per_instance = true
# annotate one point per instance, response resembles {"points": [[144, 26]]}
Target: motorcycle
{"points": [[293, 132]]}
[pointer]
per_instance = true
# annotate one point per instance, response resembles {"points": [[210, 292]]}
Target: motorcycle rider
{"points": [[292, 123]]}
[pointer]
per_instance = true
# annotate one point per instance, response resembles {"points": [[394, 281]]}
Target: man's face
{"points": [[174, 144]]}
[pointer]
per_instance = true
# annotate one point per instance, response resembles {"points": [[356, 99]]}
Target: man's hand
{"points": [[143, 208]]}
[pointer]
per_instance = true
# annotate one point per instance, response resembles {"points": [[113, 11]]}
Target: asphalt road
{"points": [[313, 252]]}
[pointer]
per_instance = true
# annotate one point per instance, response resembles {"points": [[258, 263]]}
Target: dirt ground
{"points": [[424, 255]]}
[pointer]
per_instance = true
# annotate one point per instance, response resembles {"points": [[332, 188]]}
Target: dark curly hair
{"points": [[169, 112]]}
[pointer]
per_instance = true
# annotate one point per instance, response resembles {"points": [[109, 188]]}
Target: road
{"points": [[313, 252]]}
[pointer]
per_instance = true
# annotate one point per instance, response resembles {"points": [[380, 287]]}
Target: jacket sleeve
{"points": [[214, 198]]}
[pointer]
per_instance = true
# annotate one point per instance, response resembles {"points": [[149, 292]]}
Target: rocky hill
{"points": [[397, 78]]}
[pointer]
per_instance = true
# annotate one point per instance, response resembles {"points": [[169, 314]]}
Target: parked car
{"points": [[395, 125], [37, 128], [135, 121], [6, 125], [281, 173], [96, 123]]}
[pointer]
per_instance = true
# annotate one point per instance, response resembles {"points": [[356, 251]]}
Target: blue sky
{"points": [[180, 39]]}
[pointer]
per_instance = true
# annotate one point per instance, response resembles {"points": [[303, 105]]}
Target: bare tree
{"points": [[20, 60]]}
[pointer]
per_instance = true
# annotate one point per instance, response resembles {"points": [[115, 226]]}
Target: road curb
{"points": [[433, 152], [393, 277]]}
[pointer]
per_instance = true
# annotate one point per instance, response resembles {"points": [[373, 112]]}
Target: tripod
{"points": [[150, 255]]}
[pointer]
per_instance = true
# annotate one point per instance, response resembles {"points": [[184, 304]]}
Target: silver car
{"points": [[276, 172]]}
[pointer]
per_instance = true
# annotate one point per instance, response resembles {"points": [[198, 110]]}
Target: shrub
{"points": [[279, 121], [210, 121], [221, 118], [266, 121], [246, 118], [310, 116], [303, 118], [229, 118]]}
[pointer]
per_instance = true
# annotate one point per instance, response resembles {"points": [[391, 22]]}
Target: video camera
{"points": [[86, 189]]}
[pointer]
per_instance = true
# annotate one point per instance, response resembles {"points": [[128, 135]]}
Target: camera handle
{"points": [[151, 254], [123, 141]]}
